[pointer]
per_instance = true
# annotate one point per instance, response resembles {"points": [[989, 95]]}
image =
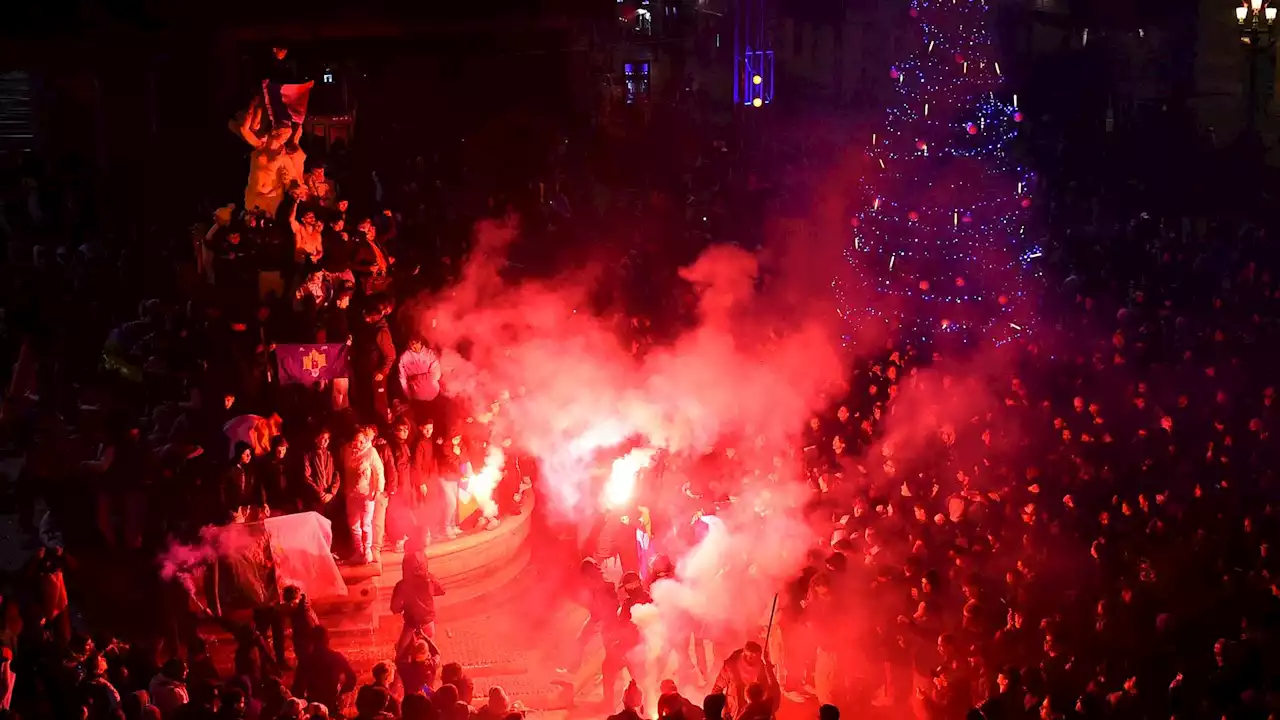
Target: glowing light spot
{"points": [[620, 488]]}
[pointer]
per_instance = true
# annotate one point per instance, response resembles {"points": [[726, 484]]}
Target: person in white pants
{"points": [[364, 481]]}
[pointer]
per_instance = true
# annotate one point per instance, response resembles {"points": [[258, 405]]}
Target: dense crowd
{"points": [[1076, 525], [1093, 542]]}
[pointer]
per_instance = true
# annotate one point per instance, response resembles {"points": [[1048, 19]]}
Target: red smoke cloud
{"points": [[750, 371], [751, 367]]}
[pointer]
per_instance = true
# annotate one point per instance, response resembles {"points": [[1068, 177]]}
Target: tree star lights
{"points": [[939, 223]]}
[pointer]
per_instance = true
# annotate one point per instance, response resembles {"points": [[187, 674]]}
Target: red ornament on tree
{"points": [[924, 285], [1003, 299], [894, 73], [973, 129], [1017, 117], [913, 216], [959, 282], [920, 145], [959, 58], [1026, 202], [855, 222], [966, 219]]}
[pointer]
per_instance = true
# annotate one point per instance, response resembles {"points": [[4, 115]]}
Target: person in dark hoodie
{"points": [[324, 675], [242, 496], [374, 356], [302, 619], [414, 599], [623, 644]]}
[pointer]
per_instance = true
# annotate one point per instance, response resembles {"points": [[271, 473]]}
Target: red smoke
{"points": [[749, 372], [567, 387]]}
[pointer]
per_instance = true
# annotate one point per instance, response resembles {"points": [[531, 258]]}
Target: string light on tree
{"points": [[940, 222]]}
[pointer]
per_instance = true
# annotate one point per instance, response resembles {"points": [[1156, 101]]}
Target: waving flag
{"points": [[312, 362], [286, 102]]}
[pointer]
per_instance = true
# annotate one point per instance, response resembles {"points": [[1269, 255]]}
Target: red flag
{"points": [[286, 102]]}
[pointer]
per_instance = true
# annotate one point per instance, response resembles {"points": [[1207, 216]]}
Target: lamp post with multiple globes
{"points": [[1255, 18]]}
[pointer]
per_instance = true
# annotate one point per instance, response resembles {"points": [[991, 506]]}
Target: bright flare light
{"points": [[621, 486], [483, 482]]}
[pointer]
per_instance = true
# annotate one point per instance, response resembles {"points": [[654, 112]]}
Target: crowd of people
{"points": [[1078, 527], [147, 404], [1092, 541]]}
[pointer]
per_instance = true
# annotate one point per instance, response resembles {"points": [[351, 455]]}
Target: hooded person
{"points": [[414, 599], [497, 707], [364, 480], [632, 703]]}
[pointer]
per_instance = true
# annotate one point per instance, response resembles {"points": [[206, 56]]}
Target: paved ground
{"points": [[514, 635]]}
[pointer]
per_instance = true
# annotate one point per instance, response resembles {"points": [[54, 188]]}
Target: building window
{"points": [[636, 78]]}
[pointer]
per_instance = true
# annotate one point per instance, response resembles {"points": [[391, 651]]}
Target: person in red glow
{"points": [[743, 669], [623, 644]]}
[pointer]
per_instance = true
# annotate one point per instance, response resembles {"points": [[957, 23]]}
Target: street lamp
{"points": [[1255, 18]]}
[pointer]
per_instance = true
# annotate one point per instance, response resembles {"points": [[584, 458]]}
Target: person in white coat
{"points": [[364, 481]]}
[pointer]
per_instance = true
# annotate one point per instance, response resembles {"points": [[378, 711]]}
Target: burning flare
{"points": [[621, 486], [484, 481]]}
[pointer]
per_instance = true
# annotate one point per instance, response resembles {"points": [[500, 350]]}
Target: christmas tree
{"points": [[939, 223]]}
